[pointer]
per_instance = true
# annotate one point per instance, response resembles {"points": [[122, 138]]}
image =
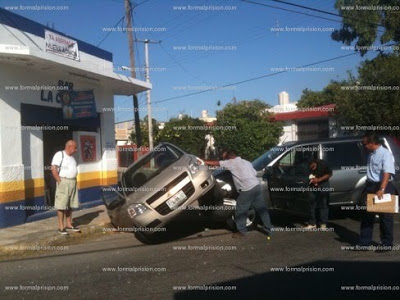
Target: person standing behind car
{"points": [[380, 168], [64, 170], [249, 189], [319, 182]]}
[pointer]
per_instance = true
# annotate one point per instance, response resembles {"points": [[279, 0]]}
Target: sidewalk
{"points": [[44, 232]]}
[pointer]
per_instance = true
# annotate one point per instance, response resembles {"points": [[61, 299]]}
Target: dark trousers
{"points": [[319, 208], [385, 220]]}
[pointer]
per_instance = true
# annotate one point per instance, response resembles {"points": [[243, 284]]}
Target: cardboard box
{"points": [[384, 207]]}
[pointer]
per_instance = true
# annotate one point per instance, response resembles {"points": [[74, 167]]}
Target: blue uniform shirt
{"points": [[380, 161]]}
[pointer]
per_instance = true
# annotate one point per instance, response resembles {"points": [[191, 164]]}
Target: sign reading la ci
{"points": [[62, 87]]}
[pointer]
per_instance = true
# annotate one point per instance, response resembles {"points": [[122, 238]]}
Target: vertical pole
{"points": [[148, 97], [129, 31]]}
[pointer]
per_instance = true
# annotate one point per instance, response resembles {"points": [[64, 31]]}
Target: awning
{"points": [[118, 83]]}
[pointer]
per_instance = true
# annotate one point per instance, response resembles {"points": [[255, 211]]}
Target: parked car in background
{"points": [[156, 188]]}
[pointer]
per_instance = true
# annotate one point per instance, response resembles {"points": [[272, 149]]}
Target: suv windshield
{"points": [[261, 162], [149, 166]]}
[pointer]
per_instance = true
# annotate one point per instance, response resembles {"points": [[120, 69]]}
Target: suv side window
{"points": [[295, 162], [344, 155]]}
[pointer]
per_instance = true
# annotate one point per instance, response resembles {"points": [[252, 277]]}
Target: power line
{"points": [[290, 10], [255, 78], [323, 11], [120, 20], [306, 7], [179, 64], [310, 8]]}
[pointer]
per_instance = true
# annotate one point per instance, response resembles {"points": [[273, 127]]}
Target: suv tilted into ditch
{"points": [[156, 188]]}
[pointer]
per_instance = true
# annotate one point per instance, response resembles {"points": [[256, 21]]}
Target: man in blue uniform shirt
{"points": [[380, 168]]}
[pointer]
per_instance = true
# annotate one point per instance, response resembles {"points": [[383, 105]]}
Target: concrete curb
{"points": [[42, 234], [55, 240]]}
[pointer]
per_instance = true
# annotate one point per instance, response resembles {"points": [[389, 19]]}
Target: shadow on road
{"points": [[87, 218], [309, 285], [186, 224]]}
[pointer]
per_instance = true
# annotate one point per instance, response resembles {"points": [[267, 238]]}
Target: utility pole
{"points": [[148, 94], [129, 31]]}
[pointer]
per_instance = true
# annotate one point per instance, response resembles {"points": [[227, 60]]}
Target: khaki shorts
{"points": [[66, 195]]}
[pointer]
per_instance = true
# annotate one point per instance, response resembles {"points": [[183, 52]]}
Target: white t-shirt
{"points": [[68, 168], [243, 173]]}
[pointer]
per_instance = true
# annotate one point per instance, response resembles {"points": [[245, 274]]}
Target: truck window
{"points": [[344, 155], [295, 162]]}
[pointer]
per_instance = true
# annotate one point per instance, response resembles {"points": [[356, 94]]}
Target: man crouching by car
{"points": [[249, 189]]}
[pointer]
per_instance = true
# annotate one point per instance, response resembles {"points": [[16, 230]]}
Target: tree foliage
{"points": [[373, 98], [364, 25], [187, 133], [247, 128], [332, 93], [144, 126]]}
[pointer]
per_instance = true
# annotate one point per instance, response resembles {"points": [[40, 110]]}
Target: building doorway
{"points": [[53, 141]]}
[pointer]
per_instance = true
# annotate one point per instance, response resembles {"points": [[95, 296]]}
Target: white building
{"points": [[284, 104], [41, 68]]}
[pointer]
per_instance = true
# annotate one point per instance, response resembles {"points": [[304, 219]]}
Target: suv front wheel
{"points": [[251, 221]]}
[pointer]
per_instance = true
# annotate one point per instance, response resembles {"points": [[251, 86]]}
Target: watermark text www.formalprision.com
{"points": [[301, 29], [35, 248], [204, 248], [370, 288], [134, 269], [135, 229], [40, 128], [370, 247], [204, 7], [204, 128], [22, 207], [135, 29], [37, 7], [302, 269], [36, 87], [36, 287], [302, 69], [371, 127], [370, 88], [205, 48], [301, 229], [204, 288]]}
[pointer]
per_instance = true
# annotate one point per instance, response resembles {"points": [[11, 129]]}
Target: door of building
{"points": [[53, 141]]}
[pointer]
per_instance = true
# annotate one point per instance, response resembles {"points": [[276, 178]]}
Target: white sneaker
{"points": [[310, 226], [323, 227]]}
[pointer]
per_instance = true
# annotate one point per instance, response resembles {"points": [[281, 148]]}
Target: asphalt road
{"points": [[241, 267]]}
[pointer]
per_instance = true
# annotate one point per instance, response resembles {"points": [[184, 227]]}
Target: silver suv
{"points": [[283, 172], [156, 188]]}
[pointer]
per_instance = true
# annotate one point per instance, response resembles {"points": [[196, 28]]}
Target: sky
{"points": [[232, 41]]}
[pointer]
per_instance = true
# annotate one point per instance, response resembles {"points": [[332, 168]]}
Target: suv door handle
{"points": [[300, 181], [362, 171]]}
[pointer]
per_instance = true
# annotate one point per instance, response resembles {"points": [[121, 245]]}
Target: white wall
{"points": [[10, 142], [289, 132], [14, 149]]}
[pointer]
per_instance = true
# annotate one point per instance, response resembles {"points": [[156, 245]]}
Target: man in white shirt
{"points": [[249, 189], [64, 170]]}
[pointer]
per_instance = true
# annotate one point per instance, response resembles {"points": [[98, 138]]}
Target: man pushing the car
{"points": [[249, 189]]}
